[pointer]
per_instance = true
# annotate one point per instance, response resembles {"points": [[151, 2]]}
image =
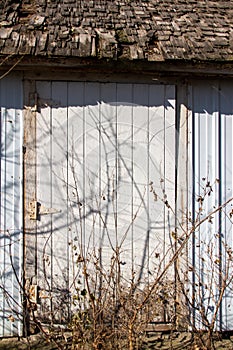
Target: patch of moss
{"points": [[122, 37]]}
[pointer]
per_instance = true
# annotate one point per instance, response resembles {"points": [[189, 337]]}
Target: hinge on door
{"points": [[36, 210], [33, 210], [45, 211]]}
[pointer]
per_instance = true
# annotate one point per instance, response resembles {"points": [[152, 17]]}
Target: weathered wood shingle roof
{"points": [[154, 30]]}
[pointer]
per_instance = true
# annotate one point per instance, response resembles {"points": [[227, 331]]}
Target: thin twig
{"points": [[11, 68]]}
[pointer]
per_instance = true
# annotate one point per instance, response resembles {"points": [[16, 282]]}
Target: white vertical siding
{"points": [[11, 239], [226, 177], [212, 110]]}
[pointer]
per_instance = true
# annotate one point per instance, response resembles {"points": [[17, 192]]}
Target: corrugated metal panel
{"points": [[11, 239], [112, 143], [212, 126]]}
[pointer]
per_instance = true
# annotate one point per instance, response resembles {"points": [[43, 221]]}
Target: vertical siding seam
{"points": [[82, 212], [67, 205], [163, 177], [132, 183], [219, 143], [193, 146], [51, 199], [148, 180], [117, 155]]}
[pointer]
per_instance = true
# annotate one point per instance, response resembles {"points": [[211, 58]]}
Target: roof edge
{"points": [[171, 67]]}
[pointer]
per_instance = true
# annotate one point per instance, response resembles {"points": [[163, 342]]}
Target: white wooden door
{"points": [[105, 160]]}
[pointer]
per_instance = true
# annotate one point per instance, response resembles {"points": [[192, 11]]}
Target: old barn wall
{"points": [[200, 130]]}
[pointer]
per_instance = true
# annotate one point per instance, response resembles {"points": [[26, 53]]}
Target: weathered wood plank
{"points": [[30, 182]]}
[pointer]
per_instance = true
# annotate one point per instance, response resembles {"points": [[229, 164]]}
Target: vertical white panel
{"points": [[76, 226], [91, 169], [141, 142], [59, 183], [205, 167], [212, 169], [169, 172], [52, 194], [156, 178], [128, 188], [161, 180], [11, 239], [43, 238], [226, 182], [108, 171]]}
